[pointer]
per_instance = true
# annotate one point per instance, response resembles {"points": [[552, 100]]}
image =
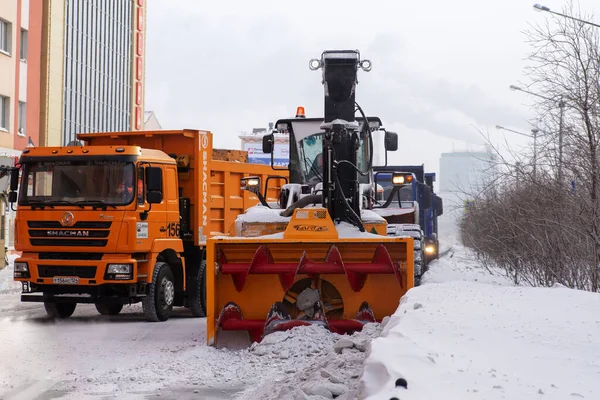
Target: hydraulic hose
{"points": [[313, 198]]}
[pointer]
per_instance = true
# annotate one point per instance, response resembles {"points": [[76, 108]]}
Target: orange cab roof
{"points": [[151, 155]]}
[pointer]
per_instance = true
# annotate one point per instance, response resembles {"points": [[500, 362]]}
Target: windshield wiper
{"points": [[38, 203], [94, 203], [313, 169]]}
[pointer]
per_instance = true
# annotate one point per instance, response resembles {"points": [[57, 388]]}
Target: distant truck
{"points": [[124, 217], [411, 210]]}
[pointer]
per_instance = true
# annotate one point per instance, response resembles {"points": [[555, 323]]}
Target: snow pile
{"points": [[7, 283], [370, 216], [349, 231], [260, 213], [469, 334], [391, 211], [328, 365]]}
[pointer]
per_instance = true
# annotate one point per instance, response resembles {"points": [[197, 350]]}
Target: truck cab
{"points": [[90, 218], [123, 217]]}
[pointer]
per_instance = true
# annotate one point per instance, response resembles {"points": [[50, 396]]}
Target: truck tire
{"points": [[158, 303], [60, 310], [198, 292], [109, 309], [419, 265]]}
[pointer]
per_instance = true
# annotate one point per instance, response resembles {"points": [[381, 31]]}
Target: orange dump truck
{"points": [[123, 217]]}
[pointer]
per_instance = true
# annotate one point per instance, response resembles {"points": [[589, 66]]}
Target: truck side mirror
{"points": [[439, 205], [391, 141], [154, 185], [267, 143], [12, 197], [426, 199], [14, 179]]}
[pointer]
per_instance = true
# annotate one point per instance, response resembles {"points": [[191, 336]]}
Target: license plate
{"points": [[65, 281]]}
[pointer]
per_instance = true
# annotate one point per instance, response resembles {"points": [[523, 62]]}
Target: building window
{"points": [[22, 118], [4, 112], [5, 39], [24, 42]]}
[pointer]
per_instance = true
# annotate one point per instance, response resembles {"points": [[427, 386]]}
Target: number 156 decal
{"points": [[173, 229]]}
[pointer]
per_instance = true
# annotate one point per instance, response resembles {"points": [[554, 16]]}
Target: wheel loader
{"points": [[320, 255]]}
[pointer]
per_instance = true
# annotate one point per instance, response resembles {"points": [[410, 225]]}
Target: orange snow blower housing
{"points": [[320, 255]]}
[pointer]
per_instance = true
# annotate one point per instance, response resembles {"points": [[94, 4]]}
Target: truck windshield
{"points": [[63, 182], [311, 158], [385, 182]]}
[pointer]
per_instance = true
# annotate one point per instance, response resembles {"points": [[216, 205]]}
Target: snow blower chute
{"points": [[319, 256]]}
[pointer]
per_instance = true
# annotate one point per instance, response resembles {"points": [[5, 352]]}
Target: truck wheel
{"points": [[198, 292], [109, 309], [60, 310], [417, 281], [419, 261], [158, 303]]}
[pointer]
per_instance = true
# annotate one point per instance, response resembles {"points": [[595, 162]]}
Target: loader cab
{"points": [[306, 144]]}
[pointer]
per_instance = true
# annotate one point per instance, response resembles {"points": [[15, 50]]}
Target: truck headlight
{"points": [[250, 183], [119, 269], [430, 249], [119, 272], [21, 270]]}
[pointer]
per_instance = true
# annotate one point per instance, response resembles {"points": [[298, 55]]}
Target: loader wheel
{"points": [[198, 292], [60, 310], [158, 303], [109, 309]]}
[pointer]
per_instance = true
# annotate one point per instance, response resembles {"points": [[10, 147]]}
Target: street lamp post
{"points": [[539, 7], [561, 105], [534, 132]]}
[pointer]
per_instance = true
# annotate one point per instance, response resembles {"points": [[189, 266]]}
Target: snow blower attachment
{"points": [[320, 257]]}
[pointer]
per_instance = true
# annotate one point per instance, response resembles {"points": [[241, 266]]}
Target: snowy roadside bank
{"points": [[466, 334]]}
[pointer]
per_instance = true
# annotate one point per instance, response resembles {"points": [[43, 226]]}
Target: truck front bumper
{"points": [[81, 281]]}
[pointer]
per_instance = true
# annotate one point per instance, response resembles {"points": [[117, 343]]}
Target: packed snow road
{"points": [[90, 356], [97, 355]]}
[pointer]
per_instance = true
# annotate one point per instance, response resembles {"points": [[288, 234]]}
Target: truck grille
{"points": [[50, 271], [77, 225], [82, 233], [71, 256]]}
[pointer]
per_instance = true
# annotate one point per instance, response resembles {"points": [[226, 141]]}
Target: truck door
{"points": [[171, 197], [154, 225]]}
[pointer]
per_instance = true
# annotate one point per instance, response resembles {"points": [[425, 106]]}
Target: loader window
{"points": [[311, 158], [64, 182]]}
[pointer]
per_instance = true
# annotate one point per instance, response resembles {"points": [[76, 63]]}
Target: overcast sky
{"points": [[441, 70]]}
